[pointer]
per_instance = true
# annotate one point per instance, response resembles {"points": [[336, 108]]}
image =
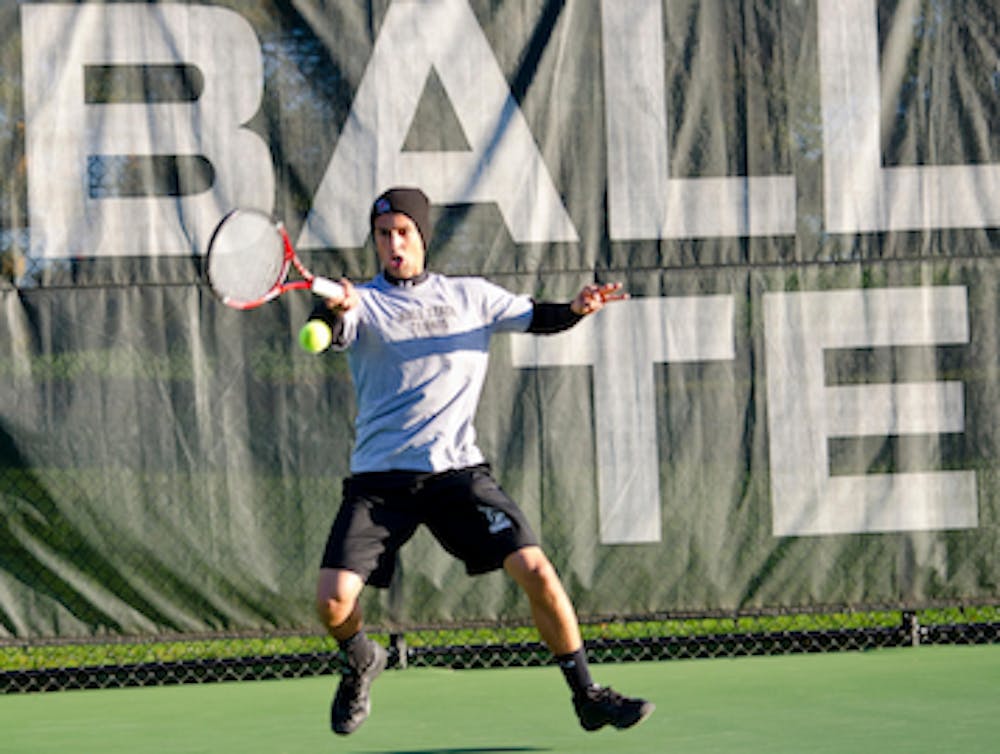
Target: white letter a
{"points": [[503, 164]]}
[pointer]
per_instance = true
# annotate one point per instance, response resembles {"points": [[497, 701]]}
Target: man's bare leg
{"points": [[337, 593], [557, 624], [551, 609]]}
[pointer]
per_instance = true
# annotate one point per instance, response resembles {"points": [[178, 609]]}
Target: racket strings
{"points": [[246, 258]]}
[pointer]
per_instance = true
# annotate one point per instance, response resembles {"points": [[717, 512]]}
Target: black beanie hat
{"points": [[411, 202]]}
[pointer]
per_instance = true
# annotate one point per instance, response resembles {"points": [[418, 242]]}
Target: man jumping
{"points": [[417, 344]]}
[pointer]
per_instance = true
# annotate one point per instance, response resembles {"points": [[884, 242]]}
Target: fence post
{"points": [[911, 626], [398, 643]]}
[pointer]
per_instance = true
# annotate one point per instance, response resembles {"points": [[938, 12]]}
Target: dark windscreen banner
{"points": [[797, 407]]}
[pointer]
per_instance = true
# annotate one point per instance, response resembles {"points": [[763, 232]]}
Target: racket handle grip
{"points": [[326, 288]]}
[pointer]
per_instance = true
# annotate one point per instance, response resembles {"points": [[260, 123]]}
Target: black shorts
{"points": [[465, 510]]}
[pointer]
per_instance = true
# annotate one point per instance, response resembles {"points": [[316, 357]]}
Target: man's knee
{"points": [[531, 568], [337, 593]]}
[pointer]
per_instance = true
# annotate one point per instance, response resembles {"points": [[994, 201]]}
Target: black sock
{"points": [[358, 650], [575, 670]]}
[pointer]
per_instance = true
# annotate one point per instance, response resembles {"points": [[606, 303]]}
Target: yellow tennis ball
{"points": [[315, 336]]}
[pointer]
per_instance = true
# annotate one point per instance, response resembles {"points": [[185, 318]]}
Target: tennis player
{"points": [[417, 345]]}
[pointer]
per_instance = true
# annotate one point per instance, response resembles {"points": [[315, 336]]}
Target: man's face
{"points": [[399, 245]]}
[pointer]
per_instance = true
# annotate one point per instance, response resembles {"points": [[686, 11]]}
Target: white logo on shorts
{"points": [[498, 519]]}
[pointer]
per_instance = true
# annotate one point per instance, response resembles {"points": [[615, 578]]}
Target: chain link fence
{"points": [[53, 665]]}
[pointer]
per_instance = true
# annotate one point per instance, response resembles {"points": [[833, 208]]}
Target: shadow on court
{"points": [[488, 750]]}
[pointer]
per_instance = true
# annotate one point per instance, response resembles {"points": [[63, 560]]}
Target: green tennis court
{"points": [[930, 699]]}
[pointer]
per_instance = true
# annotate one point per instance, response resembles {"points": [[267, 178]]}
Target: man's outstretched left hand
{"points": [[593, 296]]}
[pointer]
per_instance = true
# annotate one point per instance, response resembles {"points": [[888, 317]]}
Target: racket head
{"points": [[247, 259]]}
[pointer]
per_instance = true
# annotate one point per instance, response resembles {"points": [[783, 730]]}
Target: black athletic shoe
{"points": [[601, 706], [352, 703]]}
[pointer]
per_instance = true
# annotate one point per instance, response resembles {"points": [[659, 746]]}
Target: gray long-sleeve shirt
{"points": [[418, 355]]}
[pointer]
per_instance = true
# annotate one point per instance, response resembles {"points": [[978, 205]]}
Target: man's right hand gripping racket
{"points": [[248, 260]]}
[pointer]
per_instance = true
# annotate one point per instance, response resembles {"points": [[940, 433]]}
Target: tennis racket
{"points": [[249, 258]]}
